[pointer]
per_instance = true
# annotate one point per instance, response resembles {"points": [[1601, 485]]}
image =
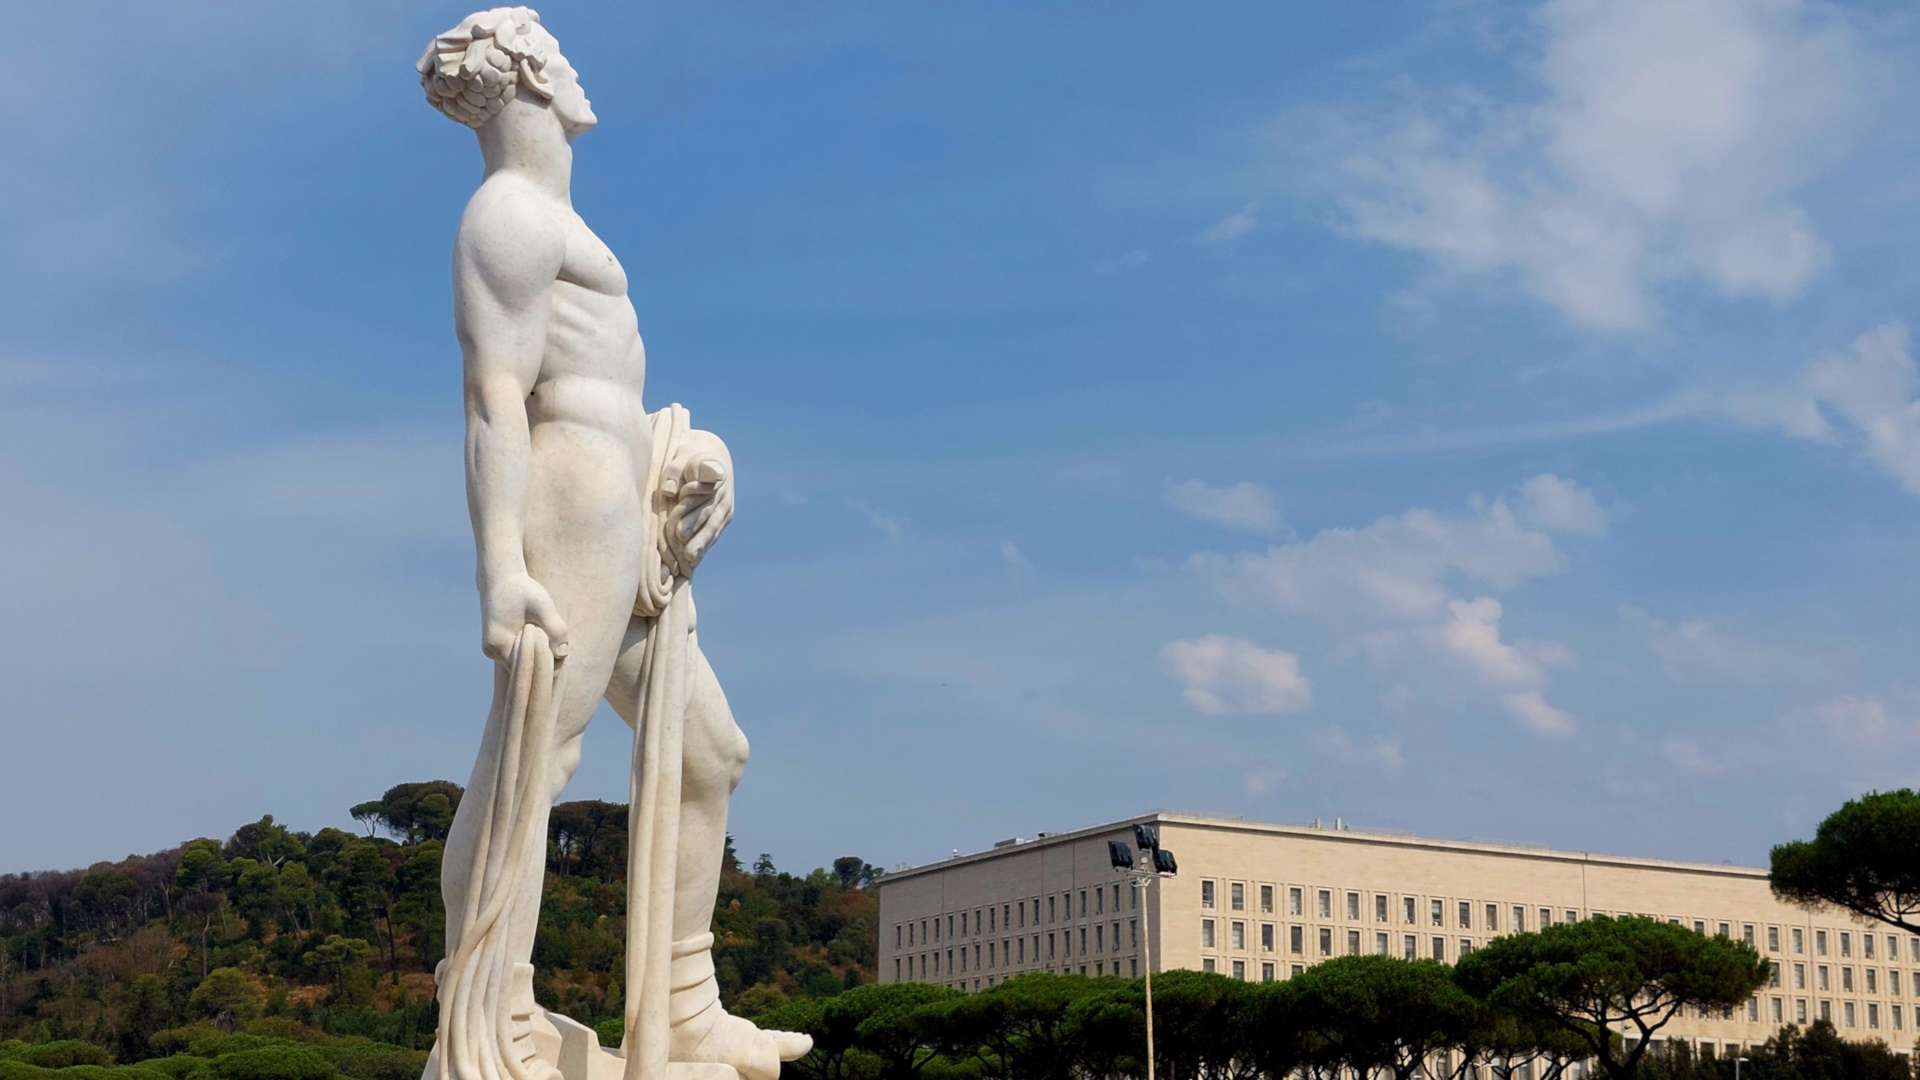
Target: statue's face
{"points": [[569, 104]]}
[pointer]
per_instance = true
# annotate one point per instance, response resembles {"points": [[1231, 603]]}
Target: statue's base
{"points": [[574, 1049]]}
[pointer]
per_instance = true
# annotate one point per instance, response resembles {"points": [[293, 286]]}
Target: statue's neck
{"points": [[532, 147]]}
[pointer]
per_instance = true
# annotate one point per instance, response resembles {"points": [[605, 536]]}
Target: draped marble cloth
{"points": [[476, 981]]}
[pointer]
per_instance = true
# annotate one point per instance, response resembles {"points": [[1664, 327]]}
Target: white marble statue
{"points": [[589, 516]]}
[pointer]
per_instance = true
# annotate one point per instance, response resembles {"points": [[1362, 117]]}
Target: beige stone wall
{"points": [[1861, 976]]}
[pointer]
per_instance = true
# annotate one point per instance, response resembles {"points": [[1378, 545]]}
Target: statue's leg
{"points": [[715, 754], [582, 543]]}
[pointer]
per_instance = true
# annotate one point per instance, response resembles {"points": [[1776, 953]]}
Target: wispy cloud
{"points": [[1391, 587], [894, 526], [1231, 676], [1238, 506], [1872, 389], [1234, 225], [1011, 553], [1669, 143]]}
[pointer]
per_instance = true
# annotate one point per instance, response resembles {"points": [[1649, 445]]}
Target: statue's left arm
{"points": [[699, 478]]}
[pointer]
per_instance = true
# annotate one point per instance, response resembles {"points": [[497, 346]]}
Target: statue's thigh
{"points": [[716, 748]]}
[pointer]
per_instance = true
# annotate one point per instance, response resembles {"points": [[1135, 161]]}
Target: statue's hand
{"points": [[699, 477], [508, 605]]}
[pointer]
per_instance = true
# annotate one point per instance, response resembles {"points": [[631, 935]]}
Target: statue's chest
{"points": [[590, 263]]}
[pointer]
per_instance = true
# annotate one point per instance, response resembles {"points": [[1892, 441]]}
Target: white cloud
{"points": [[1230, 676], [1561, 505], [1670, 139], [1696, 651], [1014, 559], [1687, 755], [1379, 752], [1120, 264], [1875, 390], [1391, 585], [1240, 506], [1863, 723], [1234, 225], [894, 526]]}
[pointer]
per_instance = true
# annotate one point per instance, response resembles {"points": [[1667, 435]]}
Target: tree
{"points": [[226, 990], [413, 812], [1028, 1027], [1865, 857], [1589, 978], [1372, 1013]]}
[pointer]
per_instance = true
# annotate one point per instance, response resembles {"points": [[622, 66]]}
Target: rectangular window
{"points": [[1773, 973], [1353, 943], [1353, 906], [1206, 933], [1466, 915], [1266, 899], [1083, 903], [1323, 904], [1207, 964], [1893, 947], [1436, 910], [1326, 942], [1820, 978], [1237, 894], [1546, 918], [1466, 947], [896, 969], [1379, 907], [992, 919], [1439, 948], [976, 955], [936, 928], [1846, 943], [1022, 906], [1847, 1011], [1133, 933], [1240, 970], [1773, 939], [1406, 910], [1799, 940], [1799, 976], [1873, 981], [1746, 935], [1519, 919], [1380, 945], [1700, 927], [1819, 943], [1893, 983], [1779, 1014], [1723, 931], [1493, 918], [1100, 938], [1410, 947], [1572, 916], [1083, 941], [1116, 902], [1293, 900], [1846, 979], [1099, 902], [1895, 1011], [1866, 946], [1266, 937], [1294, 937], [1753, 1009], [1294, 970], [1049, 944], [1239, 935], [1266, 972], [896, 935], [1826, 1010], [1799, 1010], [1050, 911], [992, 959]]}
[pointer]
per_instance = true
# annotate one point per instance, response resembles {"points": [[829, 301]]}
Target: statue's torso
{"points": [[594, 367]]}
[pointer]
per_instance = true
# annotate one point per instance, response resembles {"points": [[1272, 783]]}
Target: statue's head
{"points": [[494, 58]]}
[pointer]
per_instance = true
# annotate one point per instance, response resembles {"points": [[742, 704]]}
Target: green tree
{"points": [[1589, 978], [413, 812], [226, 990], [1865, 857], [1382, 1013]]}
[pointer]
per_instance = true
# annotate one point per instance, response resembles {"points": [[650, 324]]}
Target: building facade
{"points": [[1262, 902]]}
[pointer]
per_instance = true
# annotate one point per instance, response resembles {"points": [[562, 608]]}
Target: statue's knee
{"points": [[714, 765]]}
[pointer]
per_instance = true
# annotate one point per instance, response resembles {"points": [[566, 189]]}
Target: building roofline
{"points": [[1317, 832]]}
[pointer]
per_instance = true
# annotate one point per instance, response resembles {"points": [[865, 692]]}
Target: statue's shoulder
{"points": [[514, 228]]}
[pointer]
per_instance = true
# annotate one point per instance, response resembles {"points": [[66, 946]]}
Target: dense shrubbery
{"points": [[308, 939]]}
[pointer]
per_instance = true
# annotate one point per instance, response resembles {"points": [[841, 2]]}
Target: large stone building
{"points": [[1264, 901]]}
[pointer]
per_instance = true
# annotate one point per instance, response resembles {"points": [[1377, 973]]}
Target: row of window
{"points": [[1010, 915], [1100, 968], [1870, 981], [1098, 939], [1463, 914], [1324, 941], [1850, 1013], [1493, 917]]}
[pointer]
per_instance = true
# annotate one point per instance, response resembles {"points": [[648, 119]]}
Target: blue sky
{"points": [[1479, 419]]}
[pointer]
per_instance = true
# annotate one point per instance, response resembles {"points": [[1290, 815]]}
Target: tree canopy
{"points": [[1865, 857]]}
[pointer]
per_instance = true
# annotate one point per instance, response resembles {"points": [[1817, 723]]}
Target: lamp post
{"points": [[1737, 1062], [1160, 863]]}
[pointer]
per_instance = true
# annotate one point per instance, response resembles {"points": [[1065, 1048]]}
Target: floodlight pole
{"points": [[1141, 880]]}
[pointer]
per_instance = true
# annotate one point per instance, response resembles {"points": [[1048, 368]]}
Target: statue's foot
{"points": [[703, 1032], [720, 1037]]}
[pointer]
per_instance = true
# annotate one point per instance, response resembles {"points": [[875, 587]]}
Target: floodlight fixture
{"points": [[1163, 862], [1146, 837], [1121, 855]]}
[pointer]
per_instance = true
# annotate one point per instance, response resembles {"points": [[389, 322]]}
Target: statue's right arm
{"points": [[505, 262]]}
